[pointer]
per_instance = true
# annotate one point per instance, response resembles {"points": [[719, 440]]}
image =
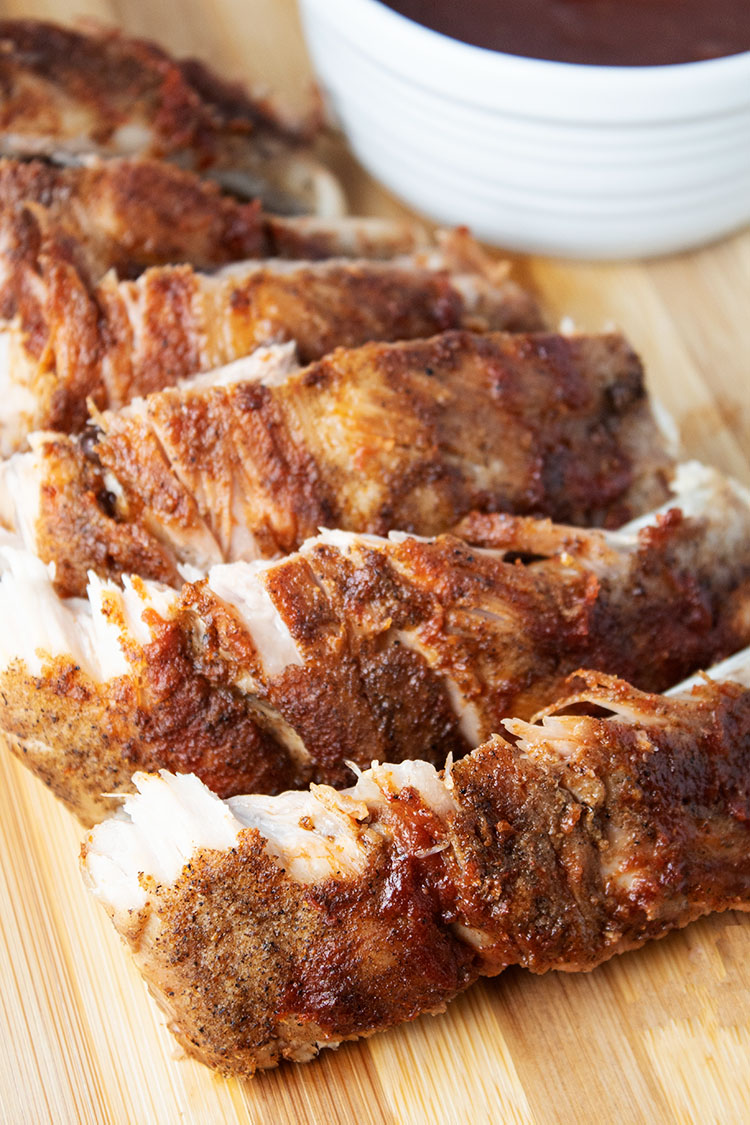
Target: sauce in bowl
{"points": [[595, 32]]}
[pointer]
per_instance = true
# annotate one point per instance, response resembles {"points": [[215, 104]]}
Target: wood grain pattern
{"points": [[659, 1035]]}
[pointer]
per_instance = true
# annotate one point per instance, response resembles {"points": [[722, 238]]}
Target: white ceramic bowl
{"points": [[582, 161]]}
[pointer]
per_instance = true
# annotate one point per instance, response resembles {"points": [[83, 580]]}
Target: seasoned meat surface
{"points": [[407, 436], [65, 341], [269, 675], [269, 928], [67, 94], [127, 215]]}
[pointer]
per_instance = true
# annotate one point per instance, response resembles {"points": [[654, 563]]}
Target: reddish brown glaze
{"points": [[598, 32]]}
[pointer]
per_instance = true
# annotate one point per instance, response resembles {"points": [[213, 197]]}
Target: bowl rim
{"points": [[530, 87]]}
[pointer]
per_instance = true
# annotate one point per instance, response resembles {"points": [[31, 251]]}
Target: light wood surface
{"points": [[658, 1035]]}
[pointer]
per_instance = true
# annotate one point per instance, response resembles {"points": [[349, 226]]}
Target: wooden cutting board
{"points": [[662, 1034]]}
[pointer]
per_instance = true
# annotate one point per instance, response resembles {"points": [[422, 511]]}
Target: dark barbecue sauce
{"points": [[599, 32]]}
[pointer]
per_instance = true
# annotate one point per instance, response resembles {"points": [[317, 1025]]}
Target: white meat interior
{"points": [[314, 835]]}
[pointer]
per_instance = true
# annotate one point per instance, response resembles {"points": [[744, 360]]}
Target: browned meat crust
{"points": [[63, 92], [551, 860], [645, 825], [85, 740], [127, 215], [118, 78], [82, 526], [121, 339], [407, 436], [408, 649]]}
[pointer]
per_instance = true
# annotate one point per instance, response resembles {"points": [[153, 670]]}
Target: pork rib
{"points": [[252, 460], [69, 95], [271, 927], [63, 341], [127, 215], [266, 676]]}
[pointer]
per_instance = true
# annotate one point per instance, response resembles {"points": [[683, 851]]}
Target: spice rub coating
{"points": [[284, 926], [221, 469], [67, 94], [129, 214], [66, 341], [358, 648]]}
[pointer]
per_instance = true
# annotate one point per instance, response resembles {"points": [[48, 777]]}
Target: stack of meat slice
{"points": [[278, 495], [268, 675]]}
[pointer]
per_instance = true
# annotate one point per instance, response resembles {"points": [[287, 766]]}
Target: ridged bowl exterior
{"points": [[580, 161]]}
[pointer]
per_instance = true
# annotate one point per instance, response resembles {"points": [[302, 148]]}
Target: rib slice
{"points": [[271, 927], [68, 95], [269, 675], [250, 461], [127, 215], [63, 341]]}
